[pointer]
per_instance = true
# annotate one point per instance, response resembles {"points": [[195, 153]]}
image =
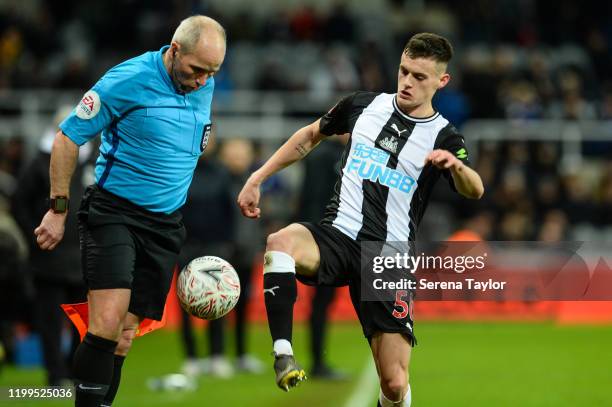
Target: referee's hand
{"points": [[248, 200], [51, 230]]}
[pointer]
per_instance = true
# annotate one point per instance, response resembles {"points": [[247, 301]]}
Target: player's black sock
{"points": [[93, 370], [114, 386], [280, 293]]}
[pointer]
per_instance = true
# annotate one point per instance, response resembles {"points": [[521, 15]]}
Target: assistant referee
{"points": [[154, 115]]}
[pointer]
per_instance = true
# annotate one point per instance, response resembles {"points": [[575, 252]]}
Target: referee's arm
{"points": [[467, 181], [64, 156]]}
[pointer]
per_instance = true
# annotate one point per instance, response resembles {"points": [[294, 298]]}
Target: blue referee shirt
{"points": [[152, 136]]}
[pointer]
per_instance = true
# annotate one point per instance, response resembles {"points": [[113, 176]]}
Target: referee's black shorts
{"points": [[340, 265], [126, 246]]}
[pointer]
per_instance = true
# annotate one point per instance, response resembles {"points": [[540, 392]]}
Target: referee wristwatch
{"points": [[59, 204]]}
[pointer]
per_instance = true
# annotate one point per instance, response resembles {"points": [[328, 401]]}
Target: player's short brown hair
{"points": [[428, 45]]}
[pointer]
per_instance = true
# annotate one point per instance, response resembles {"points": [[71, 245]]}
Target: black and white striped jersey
{"points": [[383, 186]]}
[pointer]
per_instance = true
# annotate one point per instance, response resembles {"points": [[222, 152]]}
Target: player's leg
{"points": [[289, 250], [94, 358], [391, 352], [128, 333]]}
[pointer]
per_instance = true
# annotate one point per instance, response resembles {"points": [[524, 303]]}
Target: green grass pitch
{"points": [[455, 364]]}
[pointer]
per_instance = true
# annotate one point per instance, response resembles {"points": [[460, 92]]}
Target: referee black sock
{"points": [[114, 386], [93, 370], [280, 293]]}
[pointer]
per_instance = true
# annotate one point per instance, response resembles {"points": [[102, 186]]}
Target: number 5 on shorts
{"points": [[405, 307]]}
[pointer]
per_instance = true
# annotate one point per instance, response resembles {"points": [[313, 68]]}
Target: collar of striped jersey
{"points": [[411, 118]]}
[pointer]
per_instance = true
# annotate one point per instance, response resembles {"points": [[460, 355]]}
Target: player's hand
{"points": [[248, 200], [51, 230], [443, 159]]}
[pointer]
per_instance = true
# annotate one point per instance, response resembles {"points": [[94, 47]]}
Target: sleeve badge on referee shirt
{"points": [[89, 106], [205, 136]]}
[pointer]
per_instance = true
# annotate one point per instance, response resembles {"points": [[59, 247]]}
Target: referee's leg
{"points": [[128, 333], [94, 358], [108, 254]]}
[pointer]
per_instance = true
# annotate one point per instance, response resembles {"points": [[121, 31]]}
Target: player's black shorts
{"points": [[126, 246], [341, 265]]}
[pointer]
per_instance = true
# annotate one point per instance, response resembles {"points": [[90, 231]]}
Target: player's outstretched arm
{"points": [[467, 181], [294, 149], [63, 162]]}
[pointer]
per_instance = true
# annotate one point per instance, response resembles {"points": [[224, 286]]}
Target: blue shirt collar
{"points": [[159, 57]]}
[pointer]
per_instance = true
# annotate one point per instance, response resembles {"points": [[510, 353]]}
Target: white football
{"points": [[208, 287]]}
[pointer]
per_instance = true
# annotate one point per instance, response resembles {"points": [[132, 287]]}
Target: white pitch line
{"points": [[366, 387]]}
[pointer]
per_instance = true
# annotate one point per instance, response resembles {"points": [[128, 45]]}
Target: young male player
{"points": [[399, 146]]}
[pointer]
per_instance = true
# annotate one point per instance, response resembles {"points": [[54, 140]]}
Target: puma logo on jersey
{"points": [[271, 290], [397, 130]]}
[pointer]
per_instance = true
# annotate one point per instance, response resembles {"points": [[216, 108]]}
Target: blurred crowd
{"points": [[516, 59], [532, 195]]}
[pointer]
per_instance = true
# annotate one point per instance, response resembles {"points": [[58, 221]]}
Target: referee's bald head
{"points": [[199, 30], [196, 52]]}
